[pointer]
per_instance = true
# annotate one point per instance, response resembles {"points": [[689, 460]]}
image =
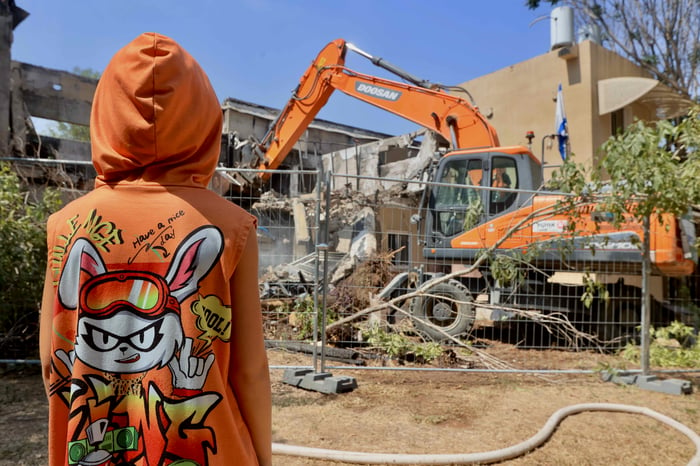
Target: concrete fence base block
{"points": [[323, 382], [651, 382]]}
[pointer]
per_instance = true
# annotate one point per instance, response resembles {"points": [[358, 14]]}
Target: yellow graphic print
{"points": [[102, 234], [213, 319]]}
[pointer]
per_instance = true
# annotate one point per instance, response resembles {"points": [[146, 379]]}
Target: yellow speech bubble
{"points": [[213, 318]]}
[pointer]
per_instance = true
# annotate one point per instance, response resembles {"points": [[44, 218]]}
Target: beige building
{"points": [[603, 92]]}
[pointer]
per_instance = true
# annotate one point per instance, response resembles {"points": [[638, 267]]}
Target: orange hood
{"points": [[155, 117]]}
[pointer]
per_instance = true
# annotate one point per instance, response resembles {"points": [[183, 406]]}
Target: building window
{"points": [[617, 123]]}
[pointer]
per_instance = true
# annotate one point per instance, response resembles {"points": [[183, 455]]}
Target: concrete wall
{"points": [[250, 120]]}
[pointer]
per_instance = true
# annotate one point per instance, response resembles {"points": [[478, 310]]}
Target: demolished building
{"points": [[364, 164]]}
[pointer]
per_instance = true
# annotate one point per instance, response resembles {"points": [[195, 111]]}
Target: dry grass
{"points": [[431, 412]]}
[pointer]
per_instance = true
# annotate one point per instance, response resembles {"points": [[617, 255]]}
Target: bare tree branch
{"points": [[661, 36]]}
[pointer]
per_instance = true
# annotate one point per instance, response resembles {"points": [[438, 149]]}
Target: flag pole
{"points": [[561, 127]]}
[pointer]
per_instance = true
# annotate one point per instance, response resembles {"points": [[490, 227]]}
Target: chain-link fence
{"points": [[378, 270], [552, 301], [347, 255]]}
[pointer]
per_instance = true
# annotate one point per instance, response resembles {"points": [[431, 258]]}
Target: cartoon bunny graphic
{"points": [[129, 323]]}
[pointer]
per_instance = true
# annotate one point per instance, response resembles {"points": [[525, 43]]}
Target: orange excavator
{"points": [[479, 192], [424, 103]]}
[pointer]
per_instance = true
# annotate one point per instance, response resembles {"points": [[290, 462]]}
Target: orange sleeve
{"points": [[45, 325], [249, 374]]}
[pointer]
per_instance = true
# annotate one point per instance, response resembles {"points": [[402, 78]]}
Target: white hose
{"points": [[489, 456]]}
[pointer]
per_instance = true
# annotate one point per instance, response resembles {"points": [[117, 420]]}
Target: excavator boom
{"points": [[307, 100], [423, 103]]}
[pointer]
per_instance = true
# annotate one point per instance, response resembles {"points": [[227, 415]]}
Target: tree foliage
{"points": [[23, 254], [650, 169], [661, 36], [673, 346], [657, 164], [64, 130]]}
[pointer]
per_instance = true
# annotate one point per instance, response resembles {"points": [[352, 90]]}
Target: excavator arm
{"points": [[422, 102]]}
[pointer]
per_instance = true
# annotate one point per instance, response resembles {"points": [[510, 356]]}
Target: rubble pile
{"points": [[355, 263], [354, 292]]}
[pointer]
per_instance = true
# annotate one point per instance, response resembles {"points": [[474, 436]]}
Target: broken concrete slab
{"points": [[367, 160]]}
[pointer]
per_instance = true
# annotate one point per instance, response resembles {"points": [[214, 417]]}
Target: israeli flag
{"points": [[560, 125]]}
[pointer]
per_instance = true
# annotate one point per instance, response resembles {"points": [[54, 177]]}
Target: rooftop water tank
{"points": [[561, 27]]}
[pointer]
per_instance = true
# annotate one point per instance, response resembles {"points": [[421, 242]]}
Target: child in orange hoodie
{"points": [[151, 332]]}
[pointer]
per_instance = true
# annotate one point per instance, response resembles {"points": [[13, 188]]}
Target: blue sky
{"points": [[256, 50]]}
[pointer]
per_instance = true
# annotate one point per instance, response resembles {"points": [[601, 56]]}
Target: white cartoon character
{"points": [[129, 321]]}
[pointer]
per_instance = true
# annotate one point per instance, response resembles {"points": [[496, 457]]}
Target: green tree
{"points": [[64, 130], [658, 164], [661, 36], [647, 171], [23, 254]]}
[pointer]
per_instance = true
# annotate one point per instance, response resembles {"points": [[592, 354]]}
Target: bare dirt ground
{"points": [[430, 413]]}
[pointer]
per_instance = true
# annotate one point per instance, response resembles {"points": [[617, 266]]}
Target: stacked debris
{"points": [[355, 291], [353, 261], [349, 230], [310, 237]]}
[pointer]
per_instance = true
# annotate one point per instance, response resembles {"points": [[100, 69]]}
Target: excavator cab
{"points": [[474, 187]]}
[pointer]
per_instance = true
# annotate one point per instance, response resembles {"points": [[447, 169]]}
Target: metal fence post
{"points": [[646, 298], [317, 267], [324, 248]]}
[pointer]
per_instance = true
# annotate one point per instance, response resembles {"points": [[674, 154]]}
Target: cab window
{"points": [[461, 174], [504, 174], [451, 202]]}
